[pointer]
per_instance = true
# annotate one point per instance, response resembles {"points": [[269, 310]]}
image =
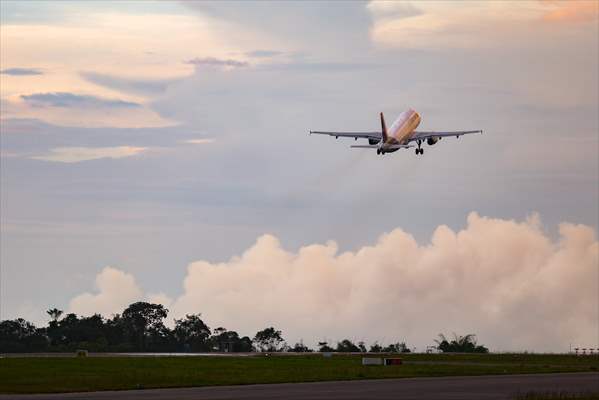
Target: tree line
{"points": [[140, 327]]}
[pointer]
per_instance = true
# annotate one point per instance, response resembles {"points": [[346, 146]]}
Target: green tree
{"points": [[403, 348], [115, 331], [347, 346], [229, 341], [269, 339], [71, 332], [460, 344], [299, 347], [324, 347], [20, 335], [244, 344], [362, 347], [376, 348], [67, 330], [53, 330], [191, 333], [396, 348], [142, 320]]}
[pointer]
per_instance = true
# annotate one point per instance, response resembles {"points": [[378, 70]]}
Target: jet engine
{"points": [[373, 141], [432, 140]]}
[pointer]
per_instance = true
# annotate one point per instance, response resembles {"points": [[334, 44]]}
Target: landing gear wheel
{"points": [[417, 151], [378, 151], [421, 151]]}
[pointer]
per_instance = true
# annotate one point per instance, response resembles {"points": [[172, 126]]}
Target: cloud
{"points": [[200, 141], [31, 136], [115, 291], [87, 114], [65, 99], [160, 298], [504, 280], [127, 39], [78, 154], [442, 25], [129, 85], [217, 62], [263, 53], [205, 206], [393, 10], [21, 71], [571, 11], [324, 32]]}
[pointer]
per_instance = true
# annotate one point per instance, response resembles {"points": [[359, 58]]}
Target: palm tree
{"points": [[54, 313], [466, 341], [462, 344], [442, 343]]}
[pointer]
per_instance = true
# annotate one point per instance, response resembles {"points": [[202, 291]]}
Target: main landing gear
{"points": [[379, 151], [419, 150]]}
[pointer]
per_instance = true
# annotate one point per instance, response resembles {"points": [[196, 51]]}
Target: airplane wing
{"points": [[365, 135], [376, 146], [421, 135]]}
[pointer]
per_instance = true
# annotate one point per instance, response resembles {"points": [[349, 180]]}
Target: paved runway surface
{"points": [[454, 388]]}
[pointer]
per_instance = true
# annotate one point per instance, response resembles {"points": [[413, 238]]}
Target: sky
{"points": [[159, 151]]}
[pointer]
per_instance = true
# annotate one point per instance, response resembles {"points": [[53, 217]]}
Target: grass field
{"points": [[63, 374]]}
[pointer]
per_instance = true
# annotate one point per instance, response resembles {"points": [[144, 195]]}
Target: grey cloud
{"points": [[263, 53], [321, 27], [402, 10], [138, 86], [217, 62], [21, 71], [306, 66], [31, 135], [66, 99]]}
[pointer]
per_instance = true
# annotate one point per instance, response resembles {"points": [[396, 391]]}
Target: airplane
{"points": [[400, 136]]}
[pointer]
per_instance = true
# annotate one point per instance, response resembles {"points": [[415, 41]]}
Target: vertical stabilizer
{"points": [[384, 128]]}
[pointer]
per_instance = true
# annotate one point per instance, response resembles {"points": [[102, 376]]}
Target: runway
{"points": [[446, 388]]}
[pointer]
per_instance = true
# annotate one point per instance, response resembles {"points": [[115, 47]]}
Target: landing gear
{"points": [[419, 150]]}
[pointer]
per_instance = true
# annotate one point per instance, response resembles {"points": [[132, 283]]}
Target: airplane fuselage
{"points": [[401, 130]]}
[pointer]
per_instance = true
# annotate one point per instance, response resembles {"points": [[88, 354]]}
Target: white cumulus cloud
{"points": [[504, 280], [115, 291]]}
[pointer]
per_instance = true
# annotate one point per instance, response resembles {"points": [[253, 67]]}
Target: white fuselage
{"points": [[401, 130]]}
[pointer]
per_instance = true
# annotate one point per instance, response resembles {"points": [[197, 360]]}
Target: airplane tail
{"points": [[383, 128]]}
